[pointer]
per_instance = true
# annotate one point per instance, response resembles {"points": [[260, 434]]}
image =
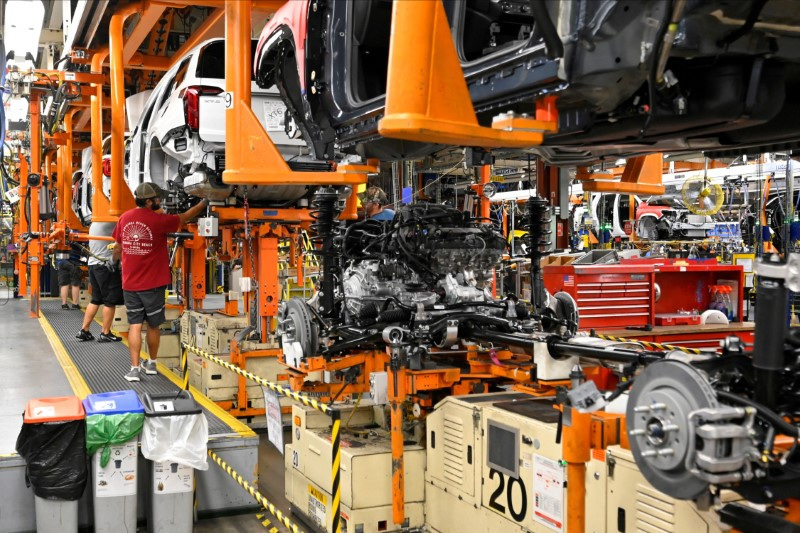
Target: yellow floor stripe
{"points": [[231, 421], [74, 377]]}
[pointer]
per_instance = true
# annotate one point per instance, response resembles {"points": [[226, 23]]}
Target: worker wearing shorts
{"points": [[141, 237], [105, 280], [69, 277]]}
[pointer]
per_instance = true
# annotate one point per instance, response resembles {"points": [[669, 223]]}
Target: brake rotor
{"points": [[658, 409], [298, 326], [567, 309]]}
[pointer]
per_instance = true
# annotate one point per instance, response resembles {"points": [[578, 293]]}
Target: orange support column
{"points": [[120, 194], [22, 257], [576, 449], [35, 251], [397, 395], [197, 268], [100, 203], [268, 286]]}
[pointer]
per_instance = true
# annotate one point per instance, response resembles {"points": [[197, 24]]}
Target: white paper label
{"points": [[105, 405], [164, 407], [172, 478], [12, 195], [274, 111], [228, 97], [548, 492], [44, 412], [69, 76], [118, 478], [274, 419]]}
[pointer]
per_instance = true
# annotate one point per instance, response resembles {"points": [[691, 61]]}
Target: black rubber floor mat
{"points": [[103, 365]]}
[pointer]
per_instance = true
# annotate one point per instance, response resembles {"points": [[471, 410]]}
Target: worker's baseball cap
{"points": [[149, 190]]}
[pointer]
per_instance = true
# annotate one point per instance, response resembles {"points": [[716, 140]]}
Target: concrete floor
{"points": [[30, 369], [270, 475]]}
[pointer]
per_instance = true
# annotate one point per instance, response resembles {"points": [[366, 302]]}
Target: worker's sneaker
{"points": [[133, 375], [108, 337], [149, 367], [85, 336], [64, 306], [75, 306]]}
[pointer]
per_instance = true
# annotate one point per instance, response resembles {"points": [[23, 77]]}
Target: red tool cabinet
{"points": [[634, 292]]}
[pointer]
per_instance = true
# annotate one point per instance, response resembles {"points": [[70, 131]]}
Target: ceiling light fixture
{"points": [[22, 28]]}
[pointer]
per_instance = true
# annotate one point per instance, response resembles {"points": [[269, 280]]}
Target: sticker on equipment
{"points": [[316, 505], [548, 492]]}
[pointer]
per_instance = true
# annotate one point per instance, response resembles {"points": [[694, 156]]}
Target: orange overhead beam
{"points": [[120, 194], [141, 61], [642, 175], [100, 204], [427, 99], [147, 19], [213, 26]]}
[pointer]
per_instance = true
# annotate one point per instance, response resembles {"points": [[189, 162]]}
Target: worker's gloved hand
{"points": [[112, 266]]}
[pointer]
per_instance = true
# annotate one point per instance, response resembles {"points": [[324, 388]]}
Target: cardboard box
{"points": [[211, 332]]}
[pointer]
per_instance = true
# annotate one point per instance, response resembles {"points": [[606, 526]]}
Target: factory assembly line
{"points": [[484, 265]]}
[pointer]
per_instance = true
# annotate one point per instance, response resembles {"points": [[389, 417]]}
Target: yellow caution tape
{"points": [[651, 345], [289, 393], [269, 506]]}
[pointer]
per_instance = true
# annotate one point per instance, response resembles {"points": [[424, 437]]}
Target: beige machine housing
{"points": [[481, 454], [615, 484], [463, 492], [365, 474]]}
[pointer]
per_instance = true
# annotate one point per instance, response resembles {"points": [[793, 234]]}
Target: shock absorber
{"points": [[325, 210], [537, 220]]}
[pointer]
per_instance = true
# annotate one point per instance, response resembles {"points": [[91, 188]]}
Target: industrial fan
{"points": [[701, 196]]}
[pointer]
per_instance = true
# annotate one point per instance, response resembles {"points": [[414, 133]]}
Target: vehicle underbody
{"points": [[623, 87]]}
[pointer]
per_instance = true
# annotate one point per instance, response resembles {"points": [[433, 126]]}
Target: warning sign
{"points": [[548, 492], [316, 505]]}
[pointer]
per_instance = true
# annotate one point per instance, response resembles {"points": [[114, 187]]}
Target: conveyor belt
{"points": [[103, 365]]}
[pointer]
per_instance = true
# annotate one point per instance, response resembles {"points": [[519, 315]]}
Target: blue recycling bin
{"points": [[114, 421]]}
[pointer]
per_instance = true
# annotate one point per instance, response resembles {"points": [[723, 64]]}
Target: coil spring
{"points": [[537, 221], [324, 212]]}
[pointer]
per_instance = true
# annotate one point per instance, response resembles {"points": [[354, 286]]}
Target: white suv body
{"points": [[82, 182], [179, 140]]}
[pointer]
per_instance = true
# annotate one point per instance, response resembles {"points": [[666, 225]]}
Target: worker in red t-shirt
{"points": [[141, 236]]}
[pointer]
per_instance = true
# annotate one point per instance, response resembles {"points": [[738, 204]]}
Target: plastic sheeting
{"points": [[102, 431], [55, 457], [181, 439]]}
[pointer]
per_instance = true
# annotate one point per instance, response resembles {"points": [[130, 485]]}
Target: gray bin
{"points": [[56, 516], [171, 484]]}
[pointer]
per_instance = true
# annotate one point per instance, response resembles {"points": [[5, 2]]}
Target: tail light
{"points": [[191, 103], [107, 167]]}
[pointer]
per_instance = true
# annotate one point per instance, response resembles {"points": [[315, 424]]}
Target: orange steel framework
{"points": [[415, 110], [427, 99]]}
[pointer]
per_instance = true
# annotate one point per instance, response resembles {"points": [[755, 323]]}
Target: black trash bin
{"points": [[53, 443]]}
